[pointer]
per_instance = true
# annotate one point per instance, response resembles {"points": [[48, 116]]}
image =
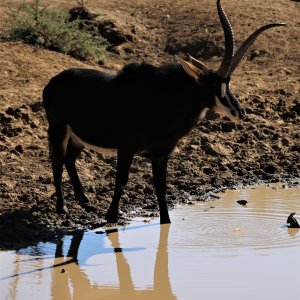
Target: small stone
{"points": [[242, 202]]}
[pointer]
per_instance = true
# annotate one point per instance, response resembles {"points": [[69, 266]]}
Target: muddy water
{"points": [[215, 250]]}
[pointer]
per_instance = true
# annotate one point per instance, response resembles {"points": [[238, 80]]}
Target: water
{"points": [[215, 250]]}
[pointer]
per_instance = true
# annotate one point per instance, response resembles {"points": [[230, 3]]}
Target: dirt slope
{"points": [[216, 154]]}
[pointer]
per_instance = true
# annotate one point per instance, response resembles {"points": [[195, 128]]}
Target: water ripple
{"points": [[227, 225]]}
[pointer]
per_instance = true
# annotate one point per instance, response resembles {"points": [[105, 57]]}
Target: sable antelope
{"points": [[142, 110]]}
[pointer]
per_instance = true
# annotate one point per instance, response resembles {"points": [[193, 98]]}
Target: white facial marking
{"points": [[225, 95], [222, 109], [229, 102], [87, 145]]}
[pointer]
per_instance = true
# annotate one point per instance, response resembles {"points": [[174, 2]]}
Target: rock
{"points": [[292, 221], [242, 202]]}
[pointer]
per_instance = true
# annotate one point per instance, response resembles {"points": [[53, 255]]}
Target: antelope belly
{"points": [[80, 141]]}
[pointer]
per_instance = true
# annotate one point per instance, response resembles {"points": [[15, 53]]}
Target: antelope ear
{"points": [[190, 69], [199, 64]]}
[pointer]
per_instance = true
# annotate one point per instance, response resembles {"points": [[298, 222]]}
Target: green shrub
{"points": [[51, 29]]}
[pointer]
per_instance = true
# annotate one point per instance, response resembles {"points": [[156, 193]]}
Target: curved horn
{"points": [[223, 70], [247, 43]]}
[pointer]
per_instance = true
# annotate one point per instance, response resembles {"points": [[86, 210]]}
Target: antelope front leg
{"points": [[123, 166], [159, 170]]}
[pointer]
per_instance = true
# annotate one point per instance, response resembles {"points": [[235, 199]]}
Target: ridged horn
{"points": [[223, 70], [247, 43]]}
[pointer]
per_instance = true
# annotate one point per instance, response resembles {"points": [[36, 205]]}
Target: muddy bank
{"points": [[217, 153]]}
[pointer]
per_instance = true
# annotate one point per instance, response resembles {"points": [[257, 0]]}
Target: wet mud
{"points": [[248, 251]]}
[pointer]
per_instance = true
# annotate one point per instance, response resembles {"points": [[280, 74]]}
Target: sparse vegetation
{"points": [[36, 24]]}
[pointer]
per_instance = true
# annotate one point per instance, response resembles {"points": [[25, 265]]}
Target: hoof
{"points": [[165, 221], [62, 210], [111, 218], [83, 199]]}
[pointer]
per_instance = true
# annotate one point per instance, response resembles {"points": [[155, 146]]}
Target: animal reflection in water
{"points": [[84, 289]]}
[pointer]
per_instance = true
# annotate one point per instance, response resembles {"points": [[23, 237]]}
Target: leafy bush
{"points": [[34, 24]]}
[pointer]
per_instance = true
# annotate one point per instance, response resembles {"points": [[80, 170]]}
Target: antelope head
{"points": [[218, 82]]}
